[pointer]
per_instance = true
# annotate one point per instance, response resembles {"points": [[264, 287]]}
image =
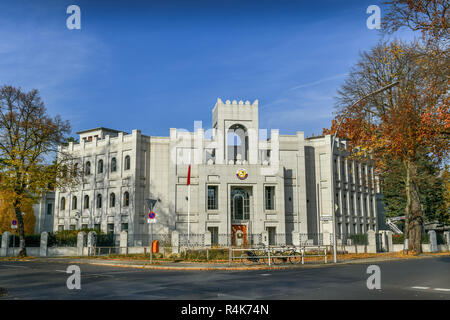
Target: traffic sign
{"points": [[13, 226], [151, 203], [151, 217], [14, 222]]}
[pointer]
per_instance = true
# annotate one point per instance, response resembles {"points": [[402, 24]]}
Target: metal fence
{"points": [[144, 240], [276, 255]]}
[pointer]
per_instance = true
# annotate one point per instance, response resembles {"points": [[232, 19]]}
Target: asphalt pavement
{"points": [[427, 278]]}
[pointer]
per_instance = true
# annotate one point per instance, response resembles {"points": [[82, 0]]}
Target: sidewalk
{"points": [[198, 266]]}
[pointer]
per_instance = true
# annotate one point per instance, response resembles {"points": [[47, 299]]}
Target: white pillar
{"points": [[433, 241], [81, 239], [5, 243], [43, 244], [123, 246], [372, 242], [91, 241], [175, 241], [207, 239]]}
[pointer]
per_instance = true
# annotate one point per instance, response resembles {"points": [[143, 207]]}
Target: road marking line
{"points": [[421, 288], [7, 266], [61, 271], [442, 289], [264, 274]]}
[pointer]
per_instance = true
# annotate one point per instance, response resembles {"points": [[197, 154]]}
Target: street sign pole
{"points": [[151, 243]]}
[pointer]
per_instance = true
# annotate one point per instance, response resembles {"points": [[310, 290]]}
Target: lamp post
{"points": [[333, 137]]}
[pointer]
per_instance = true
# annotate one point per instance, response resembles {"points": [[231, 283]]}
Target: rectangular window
{"points": [[124, 227], [60, 228], [97, 226], [270, 198], [271, 231], [214, 235], [110, 228], [72, 227], [49, 208], [84, 226], [212, 198]]}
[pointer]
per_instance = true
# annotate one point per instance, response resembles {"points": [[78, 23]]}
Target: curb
{"points": [[231, 268]]}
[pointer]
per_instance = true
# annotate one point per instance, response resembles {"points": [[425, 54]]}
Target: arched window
{"points": [[240, 205], [63, 203], [113, 165], [237, 143], [127, 163], [112, 200], [99, 201], [88, 168], [100, 166], [126, 199], [86, 202], [74, 202]]}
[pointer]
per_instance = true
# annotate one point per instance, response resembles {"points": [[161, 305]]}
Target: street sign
{"points": [[151, 217], [151, 203], [326, 218], [13, 226], [14, 222]]}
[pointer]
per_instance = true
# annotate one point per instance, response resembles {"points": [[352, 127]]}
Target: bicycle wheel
{"points": [[295, 257], [248, 259], [278, 258], [262, 257]]}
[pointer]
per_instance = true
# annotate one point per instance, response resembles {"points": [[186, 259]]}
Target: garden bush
{"points": [[359, 239]]}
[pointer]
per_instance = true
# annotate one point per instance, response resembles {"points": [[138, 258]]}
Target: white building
{"points": [[243, 181]]}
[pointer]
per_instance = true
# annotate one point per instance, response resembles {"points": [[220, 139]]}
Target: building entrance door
{"points": [[239, 235]]}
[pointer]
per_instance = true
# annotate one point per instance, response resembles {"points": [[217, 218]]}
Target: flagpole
{"points": [[189, 207], [189, 203]]}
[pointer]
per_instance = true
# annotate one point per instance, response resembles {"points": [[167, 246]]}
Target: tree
{"points": [[29, 138], [7, 214], [430, 17], [431, 187], [399, 124]]}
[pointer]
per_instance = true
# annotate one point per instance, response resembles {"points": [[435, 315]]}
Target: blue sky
{"points": [[153, 65]]}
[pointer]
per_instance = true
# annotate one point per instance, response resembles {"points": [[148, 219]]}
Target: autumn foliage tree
{"points": [[29, 140], [7, 214], [401, 123]]}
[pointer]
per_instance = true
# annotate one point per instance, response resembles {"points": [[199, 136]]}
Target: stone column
{"points": [[5, 243], [390, 244], [447, 237], [81, 239], [433, 241], [123, 242], [372, 242], [175, 241], [44, 244], [207, 239], [265, 238], [91, 242], [326, 239], [296, 238]]}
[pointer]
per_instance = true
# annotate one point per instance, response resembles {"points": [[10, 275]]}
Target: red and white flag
{"points": [[189, 176]]}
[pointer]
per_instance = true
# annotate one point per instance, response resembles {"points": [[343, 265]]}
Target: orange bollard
{"points": [[155, 246]]}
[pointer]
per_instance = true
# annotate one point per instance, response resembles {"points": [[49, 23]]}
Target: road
{"points": [[427, 278]]}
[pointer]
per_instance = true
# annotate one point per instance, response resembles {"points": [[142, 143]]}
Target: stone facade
{"points": [[244, 181]]}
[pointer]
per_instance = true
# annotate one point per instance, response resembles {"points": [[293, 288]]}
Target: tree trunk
{"points": [[19, 216], [414, 213]]}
